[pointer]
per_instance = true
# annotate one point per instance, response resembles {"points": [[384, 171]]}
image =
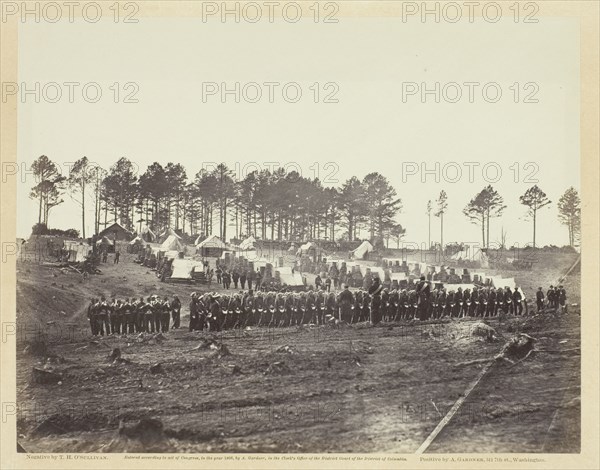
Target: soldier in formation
{"points": [[128, 316]]}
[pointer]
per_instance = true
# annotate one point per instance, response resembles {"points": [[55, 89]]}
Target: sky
{"points": [[376, 125]]}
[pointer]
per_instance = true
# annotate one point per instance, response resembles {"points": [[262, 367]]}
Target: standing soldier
{"points": [[176, 312], [517, 301], [218, 272], [115, 308], [562, 299], [243, 280], [91, 315], [103, 324], [539, 299], [508, 301], [492, 305], [165, 314], [482, 305], [149, 308], [250, 278], [193, 314], [139, 315], [345, 300], [450, 303], [458, 302], [423, 291], [474, 302], [226, 279], [318, 282], [235, 276], [375, 293], [248, 307], [551, 296], [128, 317]]}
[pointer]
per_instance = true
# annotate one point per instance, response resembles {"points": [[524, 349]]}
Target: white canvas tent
{"points": [[138, 241], [503, 282], [105, 241], [362, 250], [77, 250], [211, 242], [304, 249], [398, 277], [167, 234], [260, 263], [172, 254], [184, 268], [172, 243], [248, 244], [454, 287], [211, 246], [286, 276]]}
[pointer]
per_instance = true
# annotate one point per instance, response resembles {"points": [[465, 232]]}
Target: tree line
{"points": [[275, 205]]}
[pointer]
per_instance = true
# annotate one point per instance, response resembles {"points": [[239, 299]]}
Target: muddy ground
{"points": [[312, 389]]}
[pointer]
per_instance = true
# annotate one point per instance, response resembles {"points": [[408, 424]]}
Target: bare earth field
{"points": [[312, 389]]}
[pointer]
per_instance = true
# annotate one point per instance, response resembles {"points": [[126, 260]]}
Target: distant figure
{"points": [[539, 299], [117, 256], [105, 256]]}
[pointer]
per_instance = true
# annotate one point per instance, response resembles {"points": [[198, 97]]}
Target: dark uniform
{"points": [[165, 315], [194, 315], [176, 311], [375, 293], [517, 301], [539, 299], [103, 323], [562, 298], [346, 299], [128, 318], [92, 314]]}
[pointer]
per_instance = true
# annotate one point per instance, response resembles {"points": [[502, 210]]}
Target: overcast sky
{"points": [[371, 128]]}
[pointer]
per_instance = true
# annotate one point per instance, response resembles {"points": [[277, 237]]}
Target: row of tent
{"points": [[310, 248], [494, 281], [172, 241]]}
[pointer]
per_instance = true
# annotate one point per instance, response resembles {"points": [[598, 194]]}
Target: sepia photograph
{"points": [[288, 228]]}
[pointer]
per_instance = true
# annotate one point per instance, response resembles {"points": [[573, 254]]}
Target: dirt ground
{"points": [[312, 389]]}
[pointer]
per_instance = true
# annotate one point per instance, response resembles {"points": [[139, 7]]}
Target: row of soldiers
{"points": [[133, 315], [216, 312]]}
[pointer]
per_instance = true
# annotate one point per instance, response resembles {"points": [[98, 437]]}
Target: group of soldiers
{"points": [[133, 315], [556, 297], [214, 312], [275, 308]]}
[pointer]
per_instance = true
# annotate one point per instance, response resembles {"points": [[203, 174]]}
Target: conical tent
{"points": [[211, 246], [146, 234], [105, 241], [172, 243], [248, 243], [167, 234], [362, 250], [139, 241]]}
